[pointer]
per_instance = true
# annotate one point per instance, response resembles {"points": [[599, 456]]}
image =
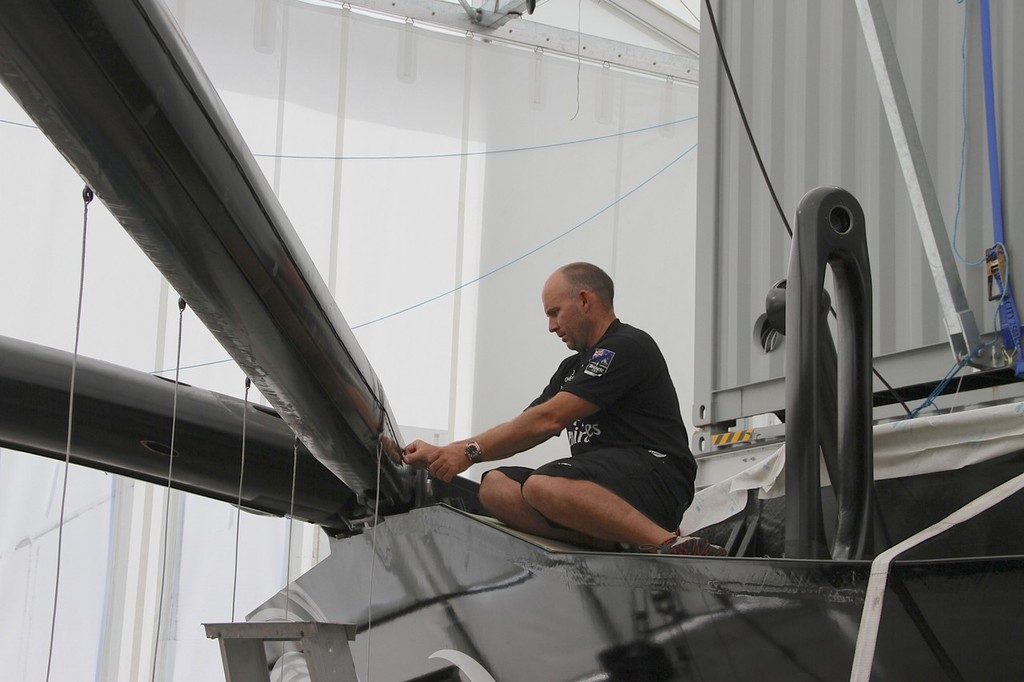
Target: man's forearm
{"points": [[528, 429]]}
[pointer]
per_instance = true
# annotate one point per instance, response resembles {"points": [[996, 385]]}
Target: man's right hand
{"points": [[417, 454], [444, 463]]}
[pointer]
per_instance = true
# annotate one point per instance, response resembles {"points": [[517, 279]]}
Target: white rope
{"points": [[870, 618], [87, 196], [167, 504], [291, 524], [373, 554], [238, 506]]}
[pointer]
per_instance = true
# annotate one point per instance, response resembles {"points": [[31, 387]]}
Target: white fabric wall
{"points": [[334, 104]]}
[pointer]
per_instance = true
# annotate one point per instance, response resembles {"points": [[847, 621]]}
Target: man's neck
{"points": [[602, 326]]}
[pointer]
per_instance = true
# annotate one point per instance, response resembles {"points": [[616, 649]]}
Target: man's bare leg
{"points": [[503, 498], [592, 510]]}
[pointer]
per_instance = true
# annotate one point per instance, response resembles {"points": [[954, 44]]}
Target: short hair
{"points": [[588, 276]]}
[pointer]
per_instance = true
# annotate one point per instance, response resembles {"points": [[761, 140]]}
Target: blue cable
{"points": [[963, 142], [486, 152], [530, 252], [443, 155], [1009, 319]]}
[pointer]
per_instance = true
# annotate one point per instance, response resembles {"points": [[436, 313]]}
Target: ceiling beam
{"points": [[662, 23], [518, 31]]}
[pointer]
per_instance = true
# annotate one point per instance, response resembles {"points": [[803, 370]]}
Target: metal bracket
{"points": [[325, 646]]}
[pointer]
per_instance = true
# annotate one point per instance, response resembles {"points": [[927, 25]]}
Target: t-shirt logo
{"points": [[599, 362]]}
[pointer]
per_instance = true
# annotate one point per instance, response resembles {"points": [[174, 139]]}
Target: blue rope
{"points": [[937, 391], [1009, 319]]}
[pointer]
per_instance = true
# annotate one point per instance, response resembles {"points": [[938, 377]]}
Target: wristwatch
{"points": [[473, 452]]}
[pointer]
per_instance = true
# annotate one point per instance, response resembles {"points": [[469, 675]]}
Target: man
{"points": [[631, 473]]}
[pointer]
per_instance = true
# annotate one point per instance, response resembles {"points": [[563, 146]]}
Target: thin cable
{"points": [[238, 507], [167, 503], [764, 172], [743, 117], [20, 125], [528, 253], [201, 364], [500, 267], [941, 386], [579, 60], [87, 196], [963, 142], [373, 554], [485, 152], [690, 11], [291, 524], [956, 395], [888, 386]]}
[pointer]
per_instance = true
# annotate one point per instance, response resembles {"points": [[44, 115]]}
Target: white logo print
{"points": [[583, 433]]}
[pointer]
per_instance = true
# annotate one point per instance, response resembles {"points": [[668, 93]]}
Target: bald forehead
{"points": [[556, 283]]}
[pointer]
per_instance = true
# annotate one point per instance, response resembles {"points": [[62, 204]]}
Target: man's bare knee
{"points": [[540, 492], [497, 491]]}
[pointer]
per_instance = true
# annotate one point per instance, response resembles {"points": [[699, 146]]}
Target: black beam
{"points": [[115, 87]]}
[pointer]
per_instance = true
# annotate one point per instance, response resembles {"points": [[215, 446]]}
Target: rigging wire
{"points": [[87, 197], [690, 11], [16, 123], [963, 142], [238, 506], [497, 269], [373, 534], [579, 60], [446, 155], [529, 253], [291, 525], [764, 172], [940, 387], [167, 502], [743, 117], [483, 152]]}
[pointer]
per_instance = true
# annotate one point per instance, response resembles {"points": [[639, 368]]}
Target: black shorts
{"points": [[660, 487]]}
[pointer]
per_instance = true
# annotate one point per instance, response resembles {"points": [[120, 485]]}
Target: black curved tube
{"points": [[829, 232]]}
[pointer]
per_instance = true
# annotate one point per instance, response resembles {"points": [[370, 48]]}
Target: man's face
{"points": [[565, 312]]}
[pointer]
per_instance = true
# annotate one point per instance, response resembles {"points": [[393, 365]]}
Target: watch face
{"points": [[473, 452]]}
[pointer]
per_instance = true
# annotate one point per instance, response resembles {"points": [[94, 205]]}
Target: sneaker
{"points": [[691, 545]]}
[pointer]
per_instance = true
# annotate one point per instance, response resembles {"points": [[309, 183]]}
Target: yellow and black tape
{"points": [[732, 437]]}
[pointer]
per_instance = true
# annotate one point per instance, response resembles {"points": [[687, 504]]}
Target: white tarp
{"points": [[910, 447]]}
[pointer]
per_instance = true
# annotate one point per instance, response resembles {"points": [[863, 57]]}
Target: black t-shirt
{"points": [[625, 375]]}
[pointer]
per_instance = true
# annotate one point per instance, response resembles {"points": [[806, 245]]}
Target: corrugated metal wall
{"points": [[810, 95]]}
